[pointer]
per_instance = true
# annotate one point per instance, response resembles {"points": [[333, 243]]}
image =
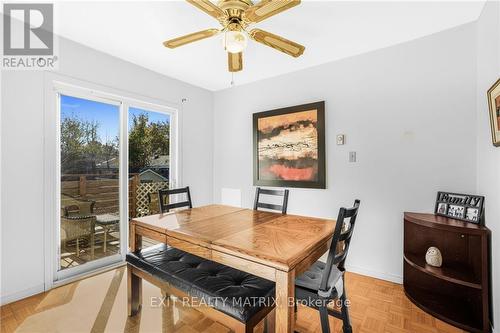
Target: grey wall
{"points": [[488, 157], [22, 131], [406, 110]]}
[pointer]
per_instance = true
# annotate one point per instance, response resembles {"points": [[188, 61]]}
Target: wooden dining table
{"points": [[273, 246]]}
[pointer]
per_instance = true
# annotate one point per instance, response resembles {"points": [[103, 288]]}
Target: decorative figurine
{"points": [[433, 257]]}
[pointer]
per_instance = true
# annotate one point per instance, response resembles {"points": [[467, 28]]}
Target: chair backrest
{"points": [[71, 210], [282, 193], [340, 241], [74, 206], [164, 198]]}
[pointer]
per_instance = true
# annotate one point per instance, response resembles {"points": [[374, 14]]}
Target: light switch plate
{"points": [[340, 139], [352, 156]]}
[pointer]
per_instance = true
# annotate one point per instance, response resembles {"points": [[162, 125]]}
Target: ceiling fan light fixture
{"points": [[236, 16], [234, 41]]}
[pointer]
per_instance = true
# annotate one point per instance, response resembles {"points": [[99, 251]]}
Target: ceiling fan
{"points": [[236, 16]]}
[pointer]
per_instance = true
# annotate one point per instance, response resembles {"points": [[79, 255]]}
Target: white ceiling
{"points": [[330, 30]]}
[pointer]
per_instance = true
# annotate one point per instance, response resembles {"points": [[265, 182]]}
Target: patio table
{"points": [[107, 222]]}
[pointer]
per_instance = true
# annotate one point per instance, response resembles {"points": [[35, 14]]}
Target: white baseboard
{"points": [[363, 271], [4, 299], [379, 275]]}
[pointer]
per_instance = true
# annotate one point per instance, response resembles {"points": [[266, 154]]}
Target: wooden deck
{"points": [[70, 259]]}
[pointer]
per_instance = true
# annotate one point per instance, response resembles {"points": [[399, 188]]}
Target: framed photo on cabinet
{"points": [[465, 207], [289, 146], [494, 105]]}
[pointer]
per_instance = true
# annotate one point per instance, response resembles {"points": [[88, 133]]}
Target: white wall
{"points": [[406, 110], [408, 113], [488, 156], [22, 159]]}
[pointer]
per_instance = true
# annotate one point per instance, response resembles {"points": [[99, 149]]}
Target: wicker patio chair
{"points": [[77, 222]]}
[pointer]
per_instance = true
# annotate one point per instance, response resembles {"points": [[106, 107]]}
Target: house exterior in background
{"points": [[156, 171], [160, 165], [108, 166], [149, 176]]}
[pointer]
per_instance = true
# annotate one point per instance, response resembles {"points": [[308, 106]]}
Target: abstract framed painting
{"points": [[289, 147], [494, 104]]}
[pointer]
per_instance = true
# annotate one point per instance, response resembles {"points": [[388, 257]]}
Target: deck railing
{"points": [[104, 190]]}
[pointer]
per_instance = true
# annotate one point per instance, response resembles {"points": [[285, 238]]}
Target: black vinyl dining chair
{"points": [[282, 193], [164, 198], [325, 282]]}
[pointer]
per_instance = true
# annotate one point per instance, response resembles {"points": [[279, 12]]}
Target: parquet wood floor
{"points": [[99, 304]]}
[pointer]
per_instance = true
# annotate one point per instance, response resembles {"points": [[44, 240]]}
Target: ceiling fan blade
{"points": [[267, 8], [276, 42], [179, 41], [208, 7], [235, 61]]}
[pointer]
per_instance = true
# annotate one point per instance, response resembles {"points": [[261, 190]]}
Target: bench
{"points": [[236, 299]]}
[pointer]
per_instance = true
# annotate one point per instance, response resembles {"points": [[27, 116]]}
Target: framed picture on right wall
{"points": [[494, 103]]}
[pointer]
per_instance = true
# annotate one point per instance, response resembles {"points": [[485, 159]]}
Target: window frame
{"points": [[173, 180]]}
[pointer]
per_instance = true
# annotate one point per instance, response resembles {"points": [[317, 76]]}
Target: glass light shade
{"points": [[234, 41]]}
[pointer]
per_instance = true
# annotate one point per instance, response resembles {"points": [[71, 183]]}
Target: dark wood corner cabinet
{"points": [[457, 292]]}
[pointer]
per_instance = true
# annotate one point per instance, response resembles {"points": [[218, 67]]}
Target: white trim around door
{"points": [[54, 86]]}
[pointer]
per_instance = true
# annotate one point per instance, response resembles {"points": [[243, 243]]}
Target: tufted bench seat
{"points": [[223, 288]]}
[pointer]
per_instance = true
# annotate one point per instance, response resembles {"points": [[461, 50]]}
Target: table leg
{"points": [[92, 241], [135, 240], [105, 239], [134, 292], [134, 283], [285, 297], [168, 319]]}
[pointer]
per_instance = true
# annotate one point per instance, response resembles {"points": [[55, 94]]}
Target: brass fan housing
{"points": [[234, 25], [234, 9], [231, 5]]}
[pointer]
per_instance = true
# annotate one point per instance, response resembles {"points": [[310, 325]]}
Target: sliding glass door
{"points": [[113, 155], [89, 180]]}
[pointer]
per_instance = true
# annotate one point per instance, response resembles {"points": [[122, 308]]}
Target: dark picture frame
{"points": [[464, 207], [320, 174], [494, 109]]}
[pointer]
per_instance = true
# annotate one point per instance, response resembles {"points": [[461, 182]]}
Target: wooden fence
{"points": [[104, 190]]}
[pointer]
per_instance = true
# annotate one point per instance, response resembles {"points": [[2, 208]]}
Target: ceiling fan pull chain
{"points": [[232, 79]]}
